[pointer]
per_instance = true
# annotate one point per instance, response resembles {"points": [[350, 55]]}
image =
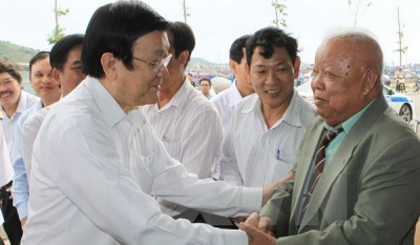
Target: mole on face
{"points": [[344, 65]]}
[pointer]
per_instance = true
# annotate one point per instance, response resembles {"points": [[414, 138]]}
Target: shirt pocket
{"points": [[281, 169]]}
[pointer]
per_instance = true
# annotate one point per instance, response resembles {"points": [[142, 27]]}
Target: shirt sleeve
{"points": [[20, 188], [86, 168], [228, 164], [200, 148], [172, 181]]}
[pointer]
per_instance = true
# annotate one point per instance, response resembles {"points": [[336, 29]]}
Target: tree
{"points": [[58, 32], [401, 50], [357, 9], [185, 11], [280, 10]]}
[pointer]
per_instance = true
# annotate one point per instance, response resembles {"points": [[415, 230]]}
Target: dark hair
{"points": [[268, 38], [114, 28], [60, 51], [236, 50], [204, 79], [11, 68], [182, 38], [39, 56]]}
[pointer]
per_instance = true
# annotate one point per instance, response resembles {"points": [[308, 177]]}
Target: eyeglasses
{"points": [[156, 64]]}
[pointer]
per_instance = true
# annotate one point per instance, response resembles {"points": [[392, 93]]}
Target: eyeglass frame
{"points": [[156, 64]]}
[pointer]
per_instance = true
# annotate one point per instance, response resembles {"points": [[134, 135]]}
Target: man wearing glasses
{"points": [[97, 162]]}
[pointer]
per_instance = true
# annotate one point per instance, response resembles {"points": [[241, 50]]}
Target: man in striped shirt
{"points": [[185, 121], [267, 127]]}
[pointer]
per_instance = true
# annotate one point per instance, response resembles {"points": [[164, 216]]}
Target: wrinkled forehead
{"points": [[336, 50], [155, 43]]}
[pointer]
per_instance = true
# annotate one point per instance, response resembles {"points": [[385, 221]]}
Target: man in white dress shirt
{"points": [[13, 102], [97, 161], [226, 101], [266, 127], [66, 71], [186, 122]]}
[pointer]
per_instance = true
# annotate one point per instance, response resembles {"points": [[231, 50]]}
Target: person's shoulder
{"points": [[30, 99], [220, 96], [36, 118], [247, 102], [306, 107]]}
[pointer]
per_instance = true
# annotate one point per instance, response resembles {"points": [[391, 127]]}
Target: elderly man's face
{"points": [[141, 85], [337, 81]]}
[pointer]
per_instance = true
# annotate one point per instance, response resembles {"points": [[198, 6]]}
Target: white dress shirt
{"points": [[20, 188], [253, 154], [29, 132], [6, 170], [26, 100], [191, 131], [94, 169], [225, 103]]}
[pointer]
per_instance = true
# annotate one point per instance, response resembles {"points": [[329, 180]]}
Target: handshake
{"points": [[260, 230]]}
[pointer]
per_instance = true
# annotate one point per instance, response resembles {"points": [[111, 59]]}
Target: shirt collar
{"points": [[22, 102], [233, 94], [179, 96], [349, 123], [110, 109], [291, 115]]}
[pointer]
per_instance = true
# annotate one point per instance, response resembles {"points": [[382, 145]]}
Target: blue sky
{"points": [[216, 23]]}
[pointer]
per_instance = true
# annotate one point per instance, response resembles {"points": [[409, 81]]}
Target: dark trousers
{"points": [[11, 224]]}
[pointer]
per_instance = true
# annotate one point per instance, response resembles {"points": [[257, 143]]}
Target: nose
{"points": [[47, 79], [163, 72], [271, 76], [316, 82]]}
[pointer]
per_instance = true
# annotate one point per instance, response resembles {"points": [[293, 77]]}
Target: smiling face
{"points": [[273, 78], [337, 81], [10, 90], [140, 85], [41, 81]]}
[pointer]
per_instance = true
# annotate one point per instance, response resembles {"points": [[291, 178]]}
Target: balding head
{"points": [[347, 72], [364, 47]]}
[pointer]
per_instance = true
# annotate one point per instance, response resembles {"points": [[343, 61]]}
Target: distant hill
{"points": [[15, 52]]}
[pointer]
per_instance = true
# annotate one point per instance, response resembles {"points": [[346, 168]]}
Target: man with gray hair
{"points": [[355, 183]]}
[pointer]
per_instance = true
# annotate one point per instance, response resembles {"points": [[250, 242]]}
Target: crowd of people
{"points": [[119, 147]]}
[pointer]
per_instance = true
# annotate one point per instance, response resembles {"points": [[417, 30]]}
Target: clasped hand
{"points": [[260, 230]]}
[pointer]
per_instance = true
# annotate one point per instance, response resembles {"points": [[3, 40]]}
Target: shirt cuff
{"points": [[252, 199], [235, 237], [22, 209]]}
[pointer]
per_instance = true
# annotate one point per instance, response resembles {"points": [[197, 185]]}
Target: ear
{"points": [[296, 67], [248, 69], [370, 77], [183, 57], [233, 67], [56, 75], [109, 65]]}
